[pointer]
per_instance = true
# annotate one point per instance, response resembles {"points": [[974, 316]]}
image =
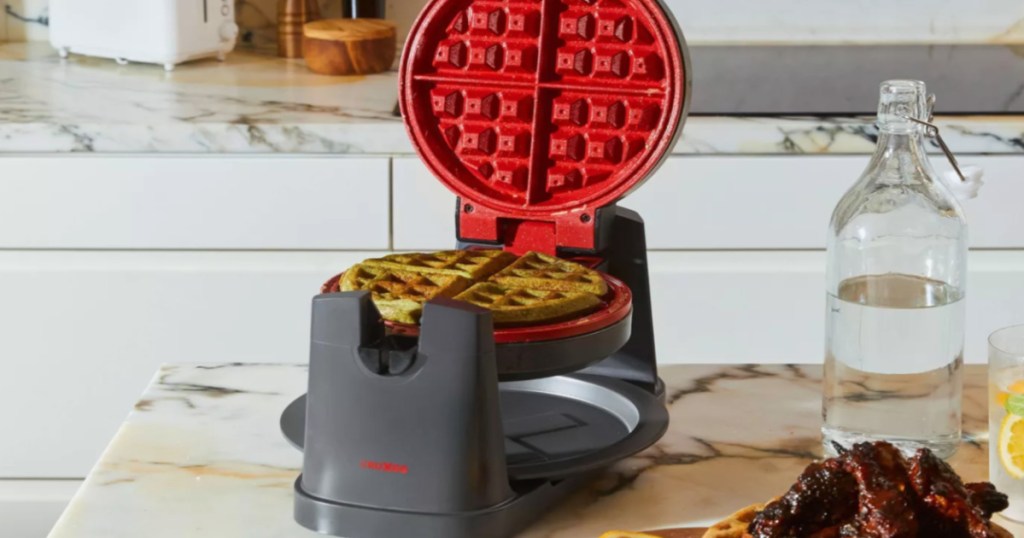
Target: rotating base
{"points": [[558, 426]]}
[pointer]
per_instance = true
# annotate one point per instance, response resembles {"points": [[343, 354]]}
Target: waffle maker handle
{"points": [[626, 259], [424, 438]]}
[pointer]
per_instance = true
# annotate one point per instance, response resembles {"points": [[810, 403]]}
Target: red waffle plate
{"points": [[615, 305], [543, 109]]}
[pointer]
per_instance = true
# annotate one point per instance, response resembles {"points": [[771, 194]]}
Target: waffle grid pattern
{"points": [[472, 264], [546, 272], [542, 289], [389, 284], [527, 305], [544, 102], [418, 287], [493, 296]]}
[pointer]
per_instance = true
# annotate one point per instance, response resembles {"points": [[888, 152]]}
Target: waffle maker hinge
{"points": [[582, 229], [618, 239], [626, 258]]}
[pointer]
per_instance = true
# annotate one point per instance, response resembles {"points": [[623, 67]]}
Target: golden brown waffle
{"points": [[542, 272], [627, 534], [542, 289], [735, 526], [524, 306], [732, 527], [471, 264], [399, 295]]}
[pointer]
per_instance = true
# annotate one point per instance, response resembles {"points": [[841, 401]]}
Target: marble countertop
{"points": [[201, 455], [257, 103]]}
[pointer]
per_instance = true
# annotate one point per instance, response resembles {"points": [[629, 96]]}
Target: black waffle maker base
{"points": [[420, 437]]}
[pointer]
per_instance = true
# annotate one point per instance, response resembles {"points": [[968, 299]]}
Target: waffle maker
{"points": [[539, 115]]}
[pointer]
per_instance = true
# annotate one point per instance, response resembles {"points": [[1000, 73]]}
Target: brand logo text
{"points": [[384, 466]]}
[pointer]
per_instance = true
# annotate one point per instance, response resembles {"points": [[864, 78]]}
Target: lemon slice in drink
{"points": [[1011, 445], [1012, 399]]}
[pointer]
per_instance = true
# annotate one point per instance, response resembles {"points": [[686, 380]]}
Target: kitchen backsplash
{"points": [[704, 21]]}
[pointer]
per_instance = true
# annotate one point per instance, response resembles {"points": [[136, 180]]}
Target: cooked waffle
{"points": [[525, 306], [735, 526], [399, 295], [538, 271], [533, 289], [471, 264], [628, 534]]}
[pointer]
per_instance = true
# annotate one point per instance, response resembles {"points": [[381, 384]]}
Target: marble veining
{"points": [[201, 455], [261, 104], [255, 103]]}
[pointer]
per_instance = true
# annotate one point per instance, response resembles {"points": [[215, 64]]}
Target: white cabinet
{"points": [[29, 508], [424, 208], [110, 266], [737, 265], [167, 202], [82, 333], [769, 307], [737, 203], [715, 203]]}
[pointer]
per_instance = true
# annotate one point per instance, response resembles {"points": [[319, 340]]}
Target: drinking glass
{"points": [[1006, 416]]}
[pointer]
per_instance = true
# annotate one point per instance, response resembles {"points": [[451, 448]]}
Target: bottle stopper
{"points": [[963, 181]]}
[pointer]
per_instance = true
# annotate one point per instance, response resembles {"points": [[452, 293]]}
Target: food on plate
{"points": [[542, 272], [527, 306], [532, 289], [736, 524], [871, 491]]}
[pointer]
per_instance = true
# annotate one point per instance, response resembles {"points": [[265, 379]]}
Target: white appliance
{"points": [[166, 32]]}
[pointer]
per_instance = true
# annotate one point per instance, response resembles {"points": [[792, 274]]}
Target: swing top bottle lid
{"points": [[900, 99]]}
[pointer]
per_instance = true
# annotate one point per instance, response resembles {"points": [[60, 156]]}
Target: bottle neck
{"points": [[900, 156]]}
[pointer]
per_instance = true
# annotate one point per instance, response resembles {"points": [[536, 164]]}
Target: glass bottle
{"points": [[897, 266]]}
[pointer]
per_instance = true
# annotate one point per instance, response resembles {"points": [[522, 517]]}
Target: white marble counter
{"points": [[263, 104], [201, 455]]}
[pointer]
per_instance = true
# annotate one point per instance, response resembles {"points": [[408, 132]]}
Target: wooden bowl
{"points": [[349, 46]]}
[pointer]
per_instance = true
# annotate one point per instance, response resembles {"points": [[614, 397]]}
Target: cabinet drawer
{"points": [[719, 203], [83, 333], [159, 202], [769, 307], [787, 202]]}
